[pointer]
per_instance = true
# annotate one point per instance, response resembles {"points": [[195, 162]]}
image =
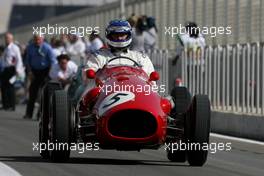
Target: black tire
{"points": [[46, 94], [182, 100], [198, 129], [61, 126]]}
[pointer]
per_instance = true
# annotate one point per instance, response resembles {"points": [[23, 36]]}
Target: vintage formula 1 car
{"points": [[125, 118]]}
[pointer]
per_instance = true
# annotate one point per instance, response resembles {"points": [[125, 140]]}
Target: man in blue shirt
{"points": [[39, 59]]}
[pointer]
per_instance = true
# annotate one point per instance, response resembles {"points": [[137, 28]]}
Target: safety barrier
{"points": [[232, 76]]}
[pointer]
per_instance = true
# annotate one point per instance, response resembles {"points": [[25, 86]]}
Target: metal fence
{"points": [[232, 76], [245, 17], [160, 61]]}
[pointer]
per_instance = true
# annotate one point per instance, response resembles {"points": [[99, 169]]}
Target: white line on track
{"points": [[237, 139], [6, 170]]}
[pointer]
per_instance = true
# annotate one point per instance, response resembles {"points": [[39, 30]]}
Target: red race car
{"points": [[123, 111]]}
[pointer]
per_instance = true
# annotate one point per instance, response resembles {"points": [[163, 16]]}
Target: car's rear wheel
{"points": [[46, 94], [61, 126], [182, 100], [198, 129]]}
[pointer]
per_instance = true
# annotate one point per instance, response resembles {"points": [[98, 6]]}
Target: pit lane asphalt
{"points": [[16, 151]]}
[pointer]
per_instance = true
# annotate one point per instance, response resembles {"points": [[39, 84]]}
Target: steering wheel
{"points": [[124, 57]]}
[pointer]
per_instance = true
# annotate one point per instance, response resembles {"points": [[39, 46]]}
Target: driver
{"points": [[119, 37]]}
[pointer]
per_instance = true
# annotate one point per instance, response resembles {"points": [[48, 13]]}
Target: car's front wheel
{"points": [[198, 129], [61, 126]]}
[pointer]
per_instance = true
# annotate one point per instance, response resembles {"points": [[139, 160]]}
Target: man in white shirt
{"points": [[192, 43], [150, 35], [64, 70], [58, 48], [75, 48], [12, 67], [96, 43]]}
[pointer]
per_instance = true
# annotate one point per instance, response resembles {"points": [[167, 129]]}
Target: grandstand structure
{"points": [[245, 17]]}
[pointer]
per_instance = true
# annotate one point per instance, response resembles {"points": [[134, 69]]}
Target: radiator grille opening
{"points": [[132, 124]]}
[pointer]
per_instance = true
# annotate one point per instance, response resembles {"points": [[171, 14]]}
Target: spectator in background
{"points": [[23, 99], [192, 43], [11, 66], [52, 41], [192, 39], [2, 48], [138, 37], [133, 20], [58, 47], [39, 58], [64, 70], [75, 47], [151, 36], [96, 43]]}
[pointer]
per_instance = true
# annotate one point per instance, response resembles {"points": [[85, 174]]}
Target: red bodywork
{"points": [[138, 122]]}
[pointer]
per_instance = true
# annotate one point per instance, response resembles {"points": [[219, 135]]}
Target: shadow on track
{"points": [[97, 161]]}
